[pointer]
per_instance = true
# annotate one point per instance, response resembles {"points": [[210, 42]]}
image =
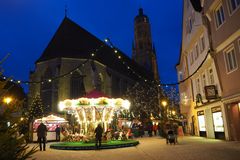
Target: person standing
{"points": [[98, 135], [57, 130], [42, 133]]}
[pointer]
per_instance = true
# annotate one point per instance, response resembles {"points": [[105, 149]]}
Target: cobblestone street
{"points": [[155, 148]]}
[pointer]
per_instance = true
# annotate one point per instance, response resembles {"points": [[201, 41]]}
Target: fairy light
{"points": [[93, 54]]}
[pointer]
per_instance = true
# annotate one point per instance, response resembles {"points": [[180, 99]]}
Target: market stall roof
{"points": [[51, 118], [95, 94]]}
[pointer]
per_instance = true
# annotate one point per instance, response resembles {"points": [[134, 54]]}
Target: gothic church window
{"points": [[46, 90], [77, 87]]}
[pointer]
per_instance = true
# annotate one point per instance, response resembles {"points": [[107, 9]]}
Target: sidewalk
{"points": [[154, 148]]}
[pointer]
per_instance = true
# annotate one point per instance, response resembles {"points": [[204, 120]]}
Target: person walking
{"points": [[155, 128], [57, 130], [42, 133], [98, 135]]}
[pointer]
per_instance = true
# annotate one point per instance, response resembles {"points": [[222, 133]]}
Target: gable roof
{"points": [[72, 41]]}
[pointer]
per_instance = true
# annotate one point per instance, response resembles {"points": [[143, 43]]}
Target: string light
{"points": [[93, 54]]}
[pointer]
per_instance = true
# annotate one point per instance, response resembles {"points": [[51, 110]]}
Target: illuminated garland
{"points": [[116, 52]]}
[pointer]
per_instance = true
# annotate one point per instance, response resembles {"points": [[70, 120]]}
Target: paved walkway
{"points": [[154, 148]]}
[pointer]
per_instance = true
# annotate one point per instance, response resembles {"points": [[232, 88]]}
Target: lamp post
{"points": [[164, 103], [7, 100]]}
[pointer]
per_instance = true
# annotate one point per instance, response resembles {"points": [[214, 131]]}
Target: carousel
{"points": [[93, 109]]}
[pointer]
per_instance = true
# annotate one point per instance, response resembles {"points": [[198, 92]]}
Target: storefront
{"points": [[201, 124], [218, 123], [233, 111]]}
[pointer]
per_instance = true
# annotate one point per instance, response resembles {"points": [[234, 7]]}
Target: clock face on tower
{"points": [[210, 92]]}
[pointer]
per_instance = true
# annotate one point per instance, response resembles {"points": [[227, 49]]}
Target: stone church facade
{"points": [[75, 62]]}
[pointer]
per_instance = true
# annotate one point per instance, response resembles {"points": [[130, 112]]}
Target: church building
{"points": [[75, 62]]}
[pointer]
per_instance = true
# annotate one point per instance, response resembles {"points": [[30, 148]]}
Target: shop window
{"points": [[201, 122], [218, 122]]}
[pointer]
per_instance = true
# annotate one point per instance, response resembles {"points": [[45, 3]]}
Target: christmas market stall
{"points": [[51, 122]]}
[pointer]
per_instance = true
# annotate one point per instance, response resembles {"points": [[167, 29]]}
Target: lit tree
{"points": [[36, 108], [172, 96], [12, 145], [144, 100]]}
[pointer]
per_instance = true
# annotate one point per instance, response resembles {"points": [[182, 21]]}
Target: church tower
{"points": [[143, 50]]}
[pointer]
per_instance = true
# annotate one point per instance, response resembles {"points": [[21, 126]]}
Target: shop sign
{"points": [[210, 92]]}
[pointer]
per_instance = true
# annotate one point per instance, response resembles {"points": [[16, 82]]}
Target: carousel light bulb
{"points": [[61, 106], [126, 104]]}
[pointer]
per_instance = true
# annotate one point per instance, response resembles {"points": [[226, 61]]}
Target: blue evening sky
{"points": [[27, 26]]}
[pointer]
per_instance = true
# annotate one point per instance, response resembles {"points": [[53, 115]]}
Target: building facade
{"points": [[204, 113], [216, 107], [224, 22], [75, 62]]}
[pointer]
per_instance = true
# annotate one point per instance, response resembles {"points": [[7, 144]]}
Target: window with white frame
{"points": [[211, 76], [180, 76], [191, 57], [230, 58], [188, 3], [233, 5], [197, 86], [202, 44], [219, 16], [204, 81], [196, 51]]}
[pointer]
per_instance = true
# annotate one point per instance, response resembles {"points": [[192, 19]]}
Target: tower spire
{"points": [[140, 11]]}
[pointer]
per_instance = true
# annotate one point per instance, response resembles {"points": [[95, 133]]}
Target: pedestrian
{"points": [[98, 135], [155, 129], [150, 129], [57, 130], [175, 131], [42, 133], [141, 130]]}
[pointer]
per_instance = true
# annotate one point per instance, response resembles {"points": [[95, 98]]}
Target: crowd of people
{"points": [[123, 133]]}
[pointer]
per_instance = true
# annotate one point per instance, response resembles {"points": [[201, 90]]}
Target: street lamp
{"points": [[164, 103], [173, 112], [7, 100]]}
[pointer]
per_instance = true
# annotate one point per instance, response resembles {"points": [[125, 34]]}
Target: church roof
{"points": [[73, 41]]}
